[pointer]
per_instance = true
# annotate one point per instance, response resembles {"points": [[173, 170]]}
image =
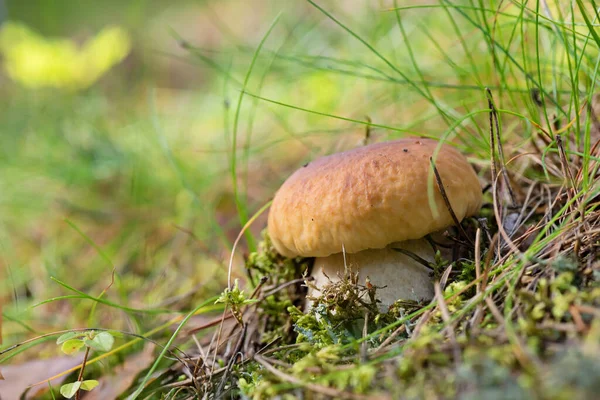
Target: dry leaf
{"points": [[17, 378]]}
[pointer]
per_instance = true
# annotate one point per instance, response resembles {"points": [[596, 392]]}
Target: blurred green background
{"points": [[132, 170]]}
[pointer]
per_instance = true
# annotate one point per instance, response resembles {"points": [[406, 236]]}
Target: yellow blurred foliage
{"points": [[36, 61]]}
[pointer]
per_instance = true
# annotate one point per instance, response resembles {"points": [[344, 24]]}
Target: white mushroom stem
{"points": [[397, 275]]}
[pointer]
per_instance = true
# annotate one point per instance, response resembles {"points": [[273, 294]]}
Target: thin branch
{"points": [[324, 390], [438, 179], [286, 284], [238, 346], [565, 165], [80, 377], [390, 338], [494, 123], [364, 355], [414, 256], [439, 296]]}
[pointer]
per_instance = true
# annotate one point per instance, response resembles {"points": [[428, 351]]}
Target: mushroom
{"points": [[366, 202]]}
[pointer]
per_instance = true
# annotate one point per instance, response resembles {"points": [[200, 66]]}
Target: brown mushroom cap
{"points": [[369, 197]]}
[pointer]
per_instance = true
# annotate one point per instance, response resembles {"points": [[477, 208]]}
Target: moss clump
{"points": [[276, 271], [495, 350], [279, 269]]}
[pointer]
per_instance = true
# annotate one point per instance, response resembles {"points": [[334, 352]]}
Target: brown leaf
{"points": [[17, 378]]}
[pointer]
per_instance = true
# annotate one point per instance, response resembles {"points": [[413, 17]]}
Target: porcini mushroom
{"points": [[368, 201]]}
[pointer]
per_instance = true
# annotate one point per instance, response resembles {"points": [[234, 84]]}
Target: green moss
{"points": [[275, 271], [423, 364]]}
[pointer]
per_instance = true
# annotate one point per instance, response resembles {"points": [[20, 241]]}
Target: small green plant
{"points": [[71, 343], [235, 299]]}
